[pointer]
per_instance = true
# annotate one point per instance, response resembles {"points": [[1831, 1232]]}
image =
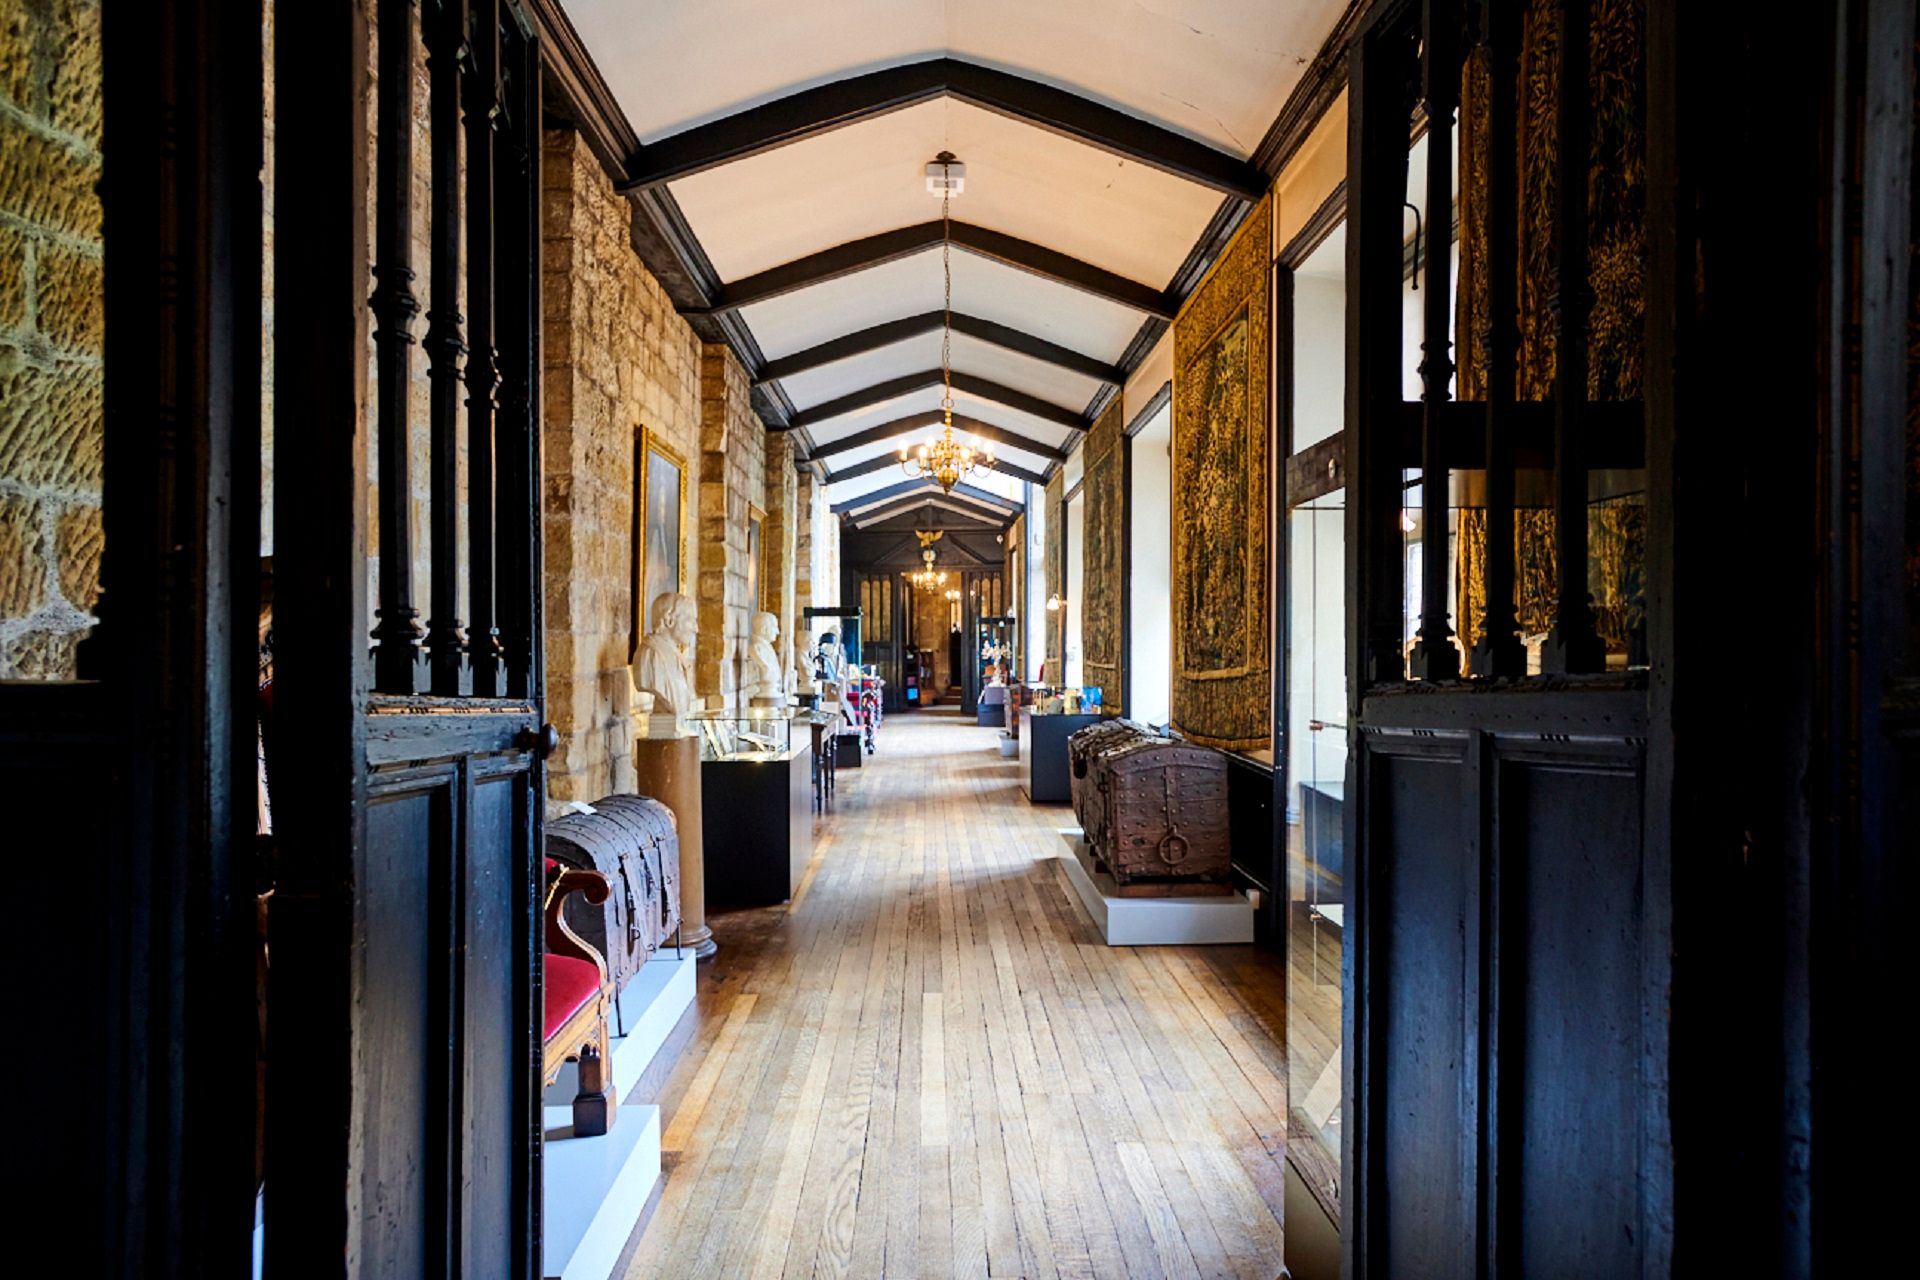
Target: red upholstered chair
{"points": [[579, 996]]}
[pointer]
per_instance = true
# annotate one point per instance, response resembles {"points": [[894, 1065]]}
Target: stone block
{"points": [[78, 543], [69, 287], [50, 425], [23, 558], [13, 276], [73, 75], [40, 655], [45, 181]]}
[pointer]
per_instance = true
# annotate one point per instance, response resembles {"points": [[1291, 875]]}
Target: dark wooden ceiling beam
{"points": [[886, 460], [889, 431], [880, 336], [906, 384], [906, 488], [812, 112], [890, 246], [949, 513]]}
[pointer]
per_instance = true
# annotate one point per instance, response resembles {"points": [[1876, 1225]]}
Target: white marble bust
{"points": [[765, 682], [661, 667]]}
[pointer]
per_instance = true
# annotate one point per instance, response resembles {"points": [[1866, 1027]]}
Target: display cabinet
{"points": [[756, 774], [758, 733]]}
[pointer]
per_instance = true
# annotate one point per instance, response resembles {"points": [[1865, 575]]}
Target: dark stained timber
{"points": [[893, 388], [889, 246], [878, 336], [815, 111]]}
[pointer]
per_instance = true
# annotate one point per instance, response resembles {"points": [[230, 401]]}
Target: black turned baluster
{"points": [[1434, 655], [1500, 652], [446, 46], [480, 94], [1381, 77], [1572, 647], [517, 326], [398, 635]]}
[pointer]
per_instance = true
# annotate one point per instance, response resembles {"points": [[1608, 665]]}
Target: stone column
{"points": [[668, 769]]}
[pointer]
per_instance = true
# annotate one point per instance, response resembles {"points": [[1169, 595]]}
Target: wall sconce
{"points": [[1054, 603]]}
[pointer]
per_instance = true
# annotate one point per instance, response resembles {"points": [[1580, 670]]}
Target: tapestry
{"points": [[1222, 597], [1104, 571], [1055, 533]]}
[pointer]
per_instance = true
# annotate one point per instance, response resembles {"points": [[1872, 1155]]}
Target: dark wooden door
{"points": [[1506, 953], [124, 772], [404, 1123]]}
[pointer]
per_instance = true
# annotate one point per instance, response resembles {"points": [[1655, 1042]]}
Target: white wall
{"points": [[1073, 658], [1319, 354], [1150, 589], [1033, 646]]}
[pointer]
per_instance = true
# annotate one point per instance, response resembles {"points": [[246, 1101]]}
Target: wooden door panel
{"points": [[500, 867], [1420, 874], [409, 828], [1569, 848]]}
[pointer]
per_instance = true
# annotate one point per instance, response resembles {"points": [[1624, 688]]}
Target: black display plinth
{"points": [[757, 820], [1043, 755], [990, 716], [847, 751]]}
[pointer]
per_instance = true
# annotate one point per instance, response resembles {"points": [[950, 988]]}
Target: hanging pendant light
{"points": [[943, 459]]}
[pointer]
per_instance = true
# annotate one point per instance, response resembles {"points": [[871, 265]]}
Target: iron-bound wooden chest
{"points": [[1154, 809], [1082, 747], [634, 843]]}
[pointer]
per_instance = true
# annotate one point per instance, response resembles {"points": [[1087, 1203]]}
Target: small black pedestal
{"points": [[846, 750], [757, 820], [1043, 753], [991, 717]]}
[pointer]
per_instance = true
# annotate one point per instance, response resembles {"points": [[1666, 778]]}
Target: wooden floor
{"points": [[929, 1065]]}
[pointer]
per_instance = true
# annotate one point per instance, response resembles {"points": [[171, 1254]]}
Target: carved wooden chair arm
{"points": [[561, 940]]}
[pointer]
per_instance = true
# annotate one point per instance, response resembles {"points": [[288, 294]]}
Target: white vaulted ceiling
{"points": [[1101, 234]]}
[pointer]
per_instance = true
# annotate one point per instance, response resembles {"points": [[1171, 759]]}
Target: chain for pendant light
{"points": [[945, 460]]}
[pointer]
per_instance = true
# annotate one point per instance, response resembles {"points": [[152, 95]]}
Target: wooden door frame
{"points": [[151, 1170]]}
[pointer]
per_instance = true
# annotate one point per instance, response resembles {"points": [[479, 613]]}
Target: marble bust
{"points": [[766, 682], [661, 667]]}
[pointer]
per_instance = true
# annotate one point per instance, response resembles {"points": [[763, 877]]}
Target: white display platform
{"points": [[1151, 922], [596, 1188]]}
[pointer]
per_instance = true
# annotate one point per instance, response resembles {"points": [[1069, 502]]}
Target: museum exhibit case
{"points": [[1045, 773], [756, 773], [994, 658]]}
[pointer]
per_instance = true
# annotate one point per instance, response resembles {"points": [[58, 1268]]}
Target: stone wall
{"points": [[733, 471], [52, 322], [616, 358], [779, 568], [817, 556]]}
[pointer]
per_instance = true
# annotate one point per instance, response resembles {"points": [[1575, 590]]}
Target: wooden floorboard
{"points": [[929, 1065]]}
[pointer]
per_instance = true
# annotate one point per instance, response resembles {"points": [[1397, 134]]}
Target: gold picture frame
{"points": [[652, 503]]}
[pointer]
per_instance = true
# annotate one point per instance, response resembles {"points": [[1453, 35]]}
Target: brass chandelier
{"points": [[943, 459], [927, 578]]}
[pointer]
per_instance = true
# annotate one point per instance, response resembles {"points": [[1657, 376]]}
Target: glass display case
{"points": [[993, 650], [754, 733]]}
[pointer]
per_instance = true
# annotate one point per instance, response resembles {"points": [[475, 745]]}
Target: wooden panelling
{"points": [[1567, 853], [1418, 876]]}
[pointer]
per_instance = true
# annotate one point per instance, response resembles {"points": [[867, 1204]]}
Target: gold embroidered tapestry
{"points": [[1222, 593], [1055, 533], [1103, 572]]}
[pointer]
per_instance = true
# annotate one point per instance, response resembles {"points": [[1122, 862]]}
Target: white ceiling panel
{"points": [[1005, 488], [907, 286], [1063, 387], [1218, 70], [783, 204]]}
